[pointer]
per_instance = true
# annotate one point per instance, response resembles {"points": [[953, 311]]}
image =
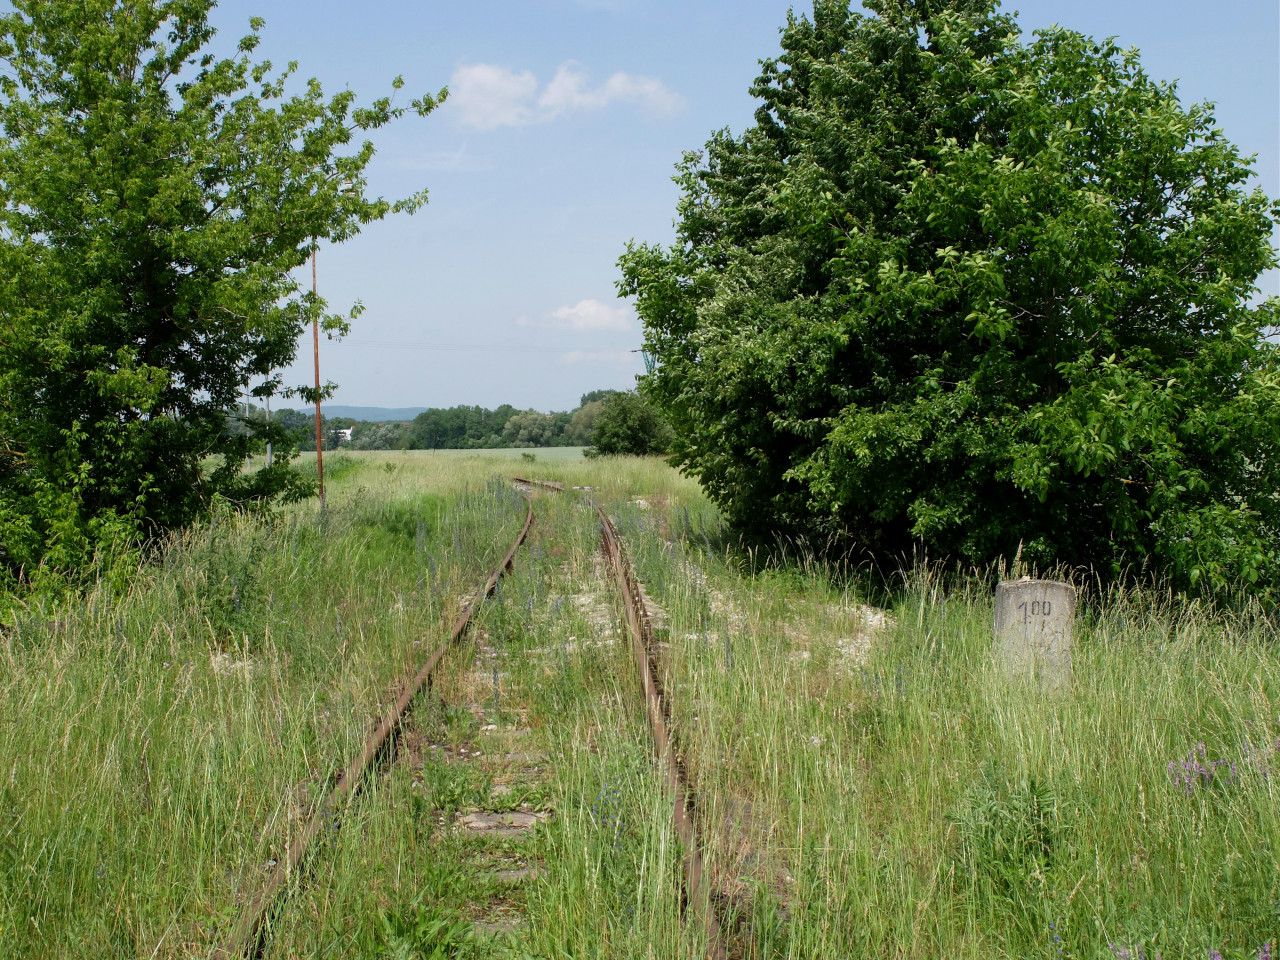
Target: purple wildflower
{"points": [[1197, 770]]}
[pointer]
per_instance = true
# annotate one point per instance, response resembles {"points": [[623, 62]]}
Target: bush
{"points": [[961, 291], [628, 424], [157, 200]]}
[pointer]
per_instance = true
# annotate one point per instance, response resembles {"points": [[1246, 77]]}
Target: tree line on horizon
{"points": [[606, 421]]}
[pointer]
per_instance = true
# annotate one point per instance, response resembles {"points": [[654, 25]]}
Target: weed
{"points": [[1008, 833], [426, 934], [1198, 772], [909, 803]]}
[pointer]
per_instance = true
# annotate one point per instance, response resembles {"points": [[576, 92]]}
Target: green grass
{"points": [[922, 804], [157, 748], [488, 456], [868, 788]]}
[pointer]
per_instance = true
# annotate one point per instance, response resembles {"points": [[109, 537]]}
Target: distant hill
{"points": [[372, 414]]}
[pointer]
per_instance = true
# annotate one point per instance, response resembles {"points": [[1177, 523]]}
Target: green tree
{"points": [[378, 436], [297, 426], [967, 290], [592, 396], [582, 422], [628, 424], [154, 200], [530, 428]]}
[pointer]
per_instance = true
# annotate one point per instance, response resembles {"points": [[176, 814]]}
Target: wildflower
{"points": [[1197, 770], [1059, 949]]}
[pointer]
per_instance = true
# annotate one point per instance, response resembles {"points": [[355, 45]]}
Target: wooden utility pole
{"points": [[315, 347]]}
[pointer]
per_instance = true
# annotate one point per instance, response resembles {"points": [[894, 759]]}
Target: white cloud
{"points": [[597, 357], [487, 97], [570, 90], [594, 315], [585, 315]]}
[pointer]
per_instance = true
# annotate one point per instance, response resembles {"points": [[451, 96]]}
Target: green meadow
{"points": [[869, 782]]}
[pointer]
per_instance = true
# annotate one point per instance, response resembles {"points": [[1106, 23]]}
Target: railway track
{"points": [[248, 938], [697, 900]]}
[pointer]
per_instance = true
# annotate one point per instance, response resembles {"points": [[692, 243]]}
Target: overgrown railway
{"points": [[250, 937], [697, 898]]}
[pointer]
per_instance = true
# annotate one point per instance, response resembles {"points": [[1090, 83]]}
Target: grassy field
{"points": [[524, 454], [870, 784]]}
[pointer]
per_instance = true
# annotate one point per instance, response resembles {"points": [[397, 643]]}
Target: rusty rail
{"points": [[544, 484], [249, 936], [697, 899]]}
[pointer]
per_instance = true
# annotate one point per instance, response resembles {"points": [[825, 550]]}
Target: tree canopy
{"points": [[628, 424], [974, 292], [154, 201], [458, 428]]}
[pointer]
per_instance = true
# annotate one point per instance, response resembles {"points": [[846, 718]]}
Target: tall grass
{"points": [[912, 800], [158, 748], [870, 783], [399, 879]]}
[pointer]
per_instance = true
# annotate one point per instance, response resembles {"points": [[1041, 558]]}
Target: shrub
{"points": [[628, 424], [961, 290]]}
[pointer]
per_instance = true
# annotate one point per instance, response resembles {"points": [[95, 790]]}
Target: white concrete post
{"points": [[1034, 621]]}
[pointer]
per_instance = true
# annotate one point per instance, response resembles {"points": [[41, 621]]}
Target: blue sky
{"points": [[565, 121]]}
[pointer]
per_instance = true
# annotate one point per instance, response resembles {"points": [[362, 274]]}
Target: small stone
{"points": [[501, 824], [516, 875]]}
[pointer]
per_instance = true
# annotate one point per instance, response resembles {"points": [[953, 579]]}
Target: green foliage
{"points": [[377, 436], [462, 427], [448, 788], [961, 290], [298, 427], [474, 428], [453, 428], [426, 935], [531, 428], [591, 396], [1008, 832], [628, 424], [582, 422], [155, 200]]}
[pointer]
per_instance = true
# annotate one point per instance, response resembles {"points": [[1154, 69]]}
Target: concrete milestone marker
{"points": [[1034, 620]]}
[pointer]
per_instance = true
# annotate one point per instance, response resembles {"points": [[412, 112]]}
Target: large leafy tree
{"points": [[630, 425], [154, 199], [972, 291]]}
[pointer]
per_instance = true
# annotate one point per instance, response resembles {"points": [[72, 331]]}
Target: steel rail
{"points": [[248, 939], [697, 899]]}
